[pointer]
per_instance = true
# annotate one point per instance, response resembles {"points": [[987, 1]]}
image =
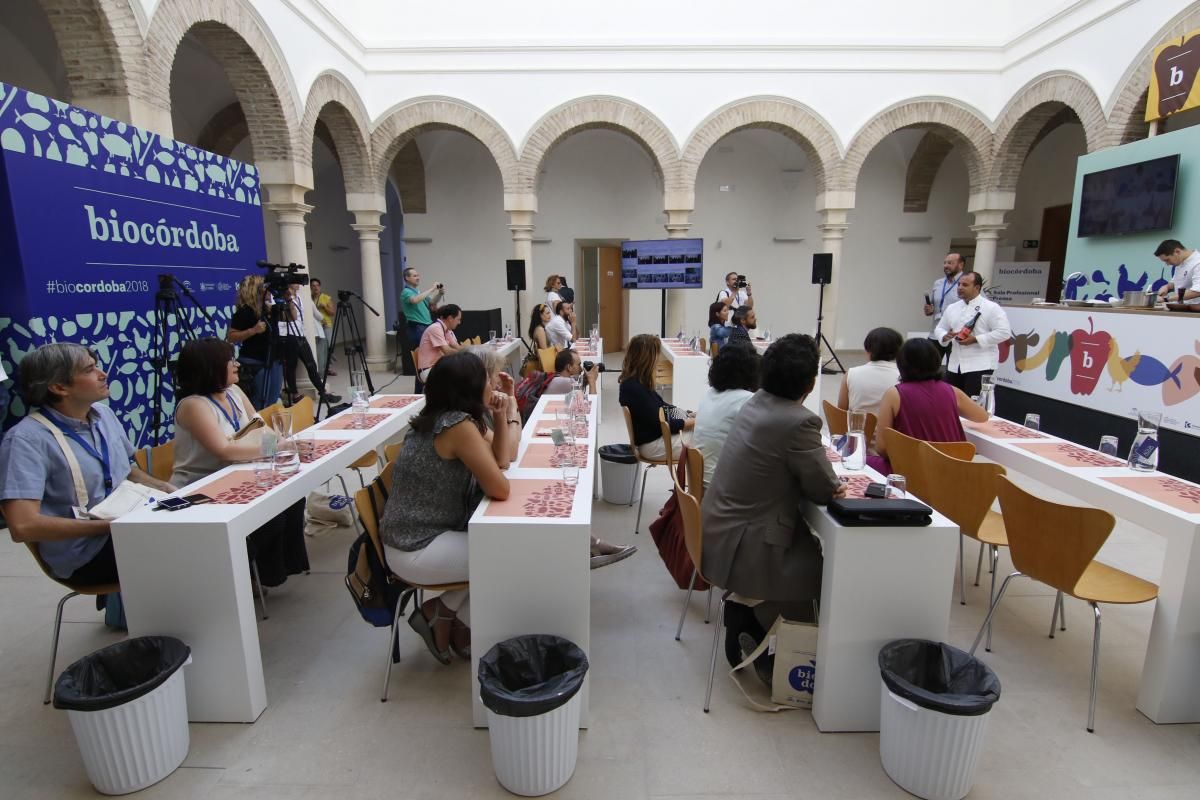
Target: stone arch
{"points": [[100, 43], [403, 123], [794, 120], [1025, 119], [241, 42], [1127, 108], [333, 101], [922, 171], [585, 113], [959, 124]]}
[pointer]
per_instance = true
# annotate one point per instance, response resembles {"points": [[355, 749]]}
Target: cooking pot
{"points": [[1136, 299]]}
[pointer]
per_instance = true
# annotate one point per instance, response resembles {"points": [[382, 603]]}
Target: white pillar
{"points": [[678, 225], [285, 184], [520, 225], [834, 208], [989, 209], [374, 327]]}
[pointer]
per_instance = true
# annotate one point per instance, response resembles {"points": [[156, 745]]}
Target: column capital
{"points": [[520, 223], [678, 222], [831, 201], [991, 201], [365, 217], [367, 230], [286, 173], [834, 219], [988, 231], [290, 213], [516, 202]]}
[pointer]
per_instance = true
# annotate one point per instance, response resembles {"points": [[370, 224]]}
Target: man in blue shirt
{"points": [[37, 488], [944, 293]]}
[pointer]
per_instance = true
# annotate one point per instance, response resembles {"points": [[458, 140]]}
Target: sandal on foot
{"points": [[424, 629], [465, 651]]}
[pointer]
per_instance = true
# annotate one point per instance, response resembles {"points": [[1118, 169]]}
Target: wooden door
{"points": [[612, 321], [1052, 247]]}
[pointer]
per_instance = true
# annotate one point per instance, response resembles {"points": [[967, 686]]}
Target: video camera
{"points": [[280, 277], [587, 366]]}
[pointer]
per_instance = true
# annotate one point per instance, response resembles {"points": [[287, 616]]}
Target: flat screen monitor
{"points": [[662, 264], [1130, 199]]}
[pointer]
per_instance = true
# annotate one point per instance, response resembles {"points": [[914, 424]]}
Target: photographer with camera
{"points": [[737, 293], [418, 306], [566, 367], [249, 328], [295, 345]]}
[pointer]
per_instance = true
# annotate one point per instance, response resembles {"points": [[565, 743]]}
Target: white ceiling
{"points": [[925, 23]]}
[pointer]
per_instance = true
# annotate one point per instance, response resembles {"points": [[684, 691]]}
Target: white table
{"points": [[185, 574], [878, 584], [533, 574], [1167, 692], [690, 379]]}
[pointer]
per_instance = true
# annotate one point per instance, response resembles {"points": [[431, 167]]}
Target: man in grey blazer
{"points": [[756, 543]]}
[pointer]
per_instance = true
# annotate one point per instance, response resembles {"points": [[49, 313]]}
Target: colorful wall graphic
{"points": [[1110, 361], [1101, 267], [92, 212]]}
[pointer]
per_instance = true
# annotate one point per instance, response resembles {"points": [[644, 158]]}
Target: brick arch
{"points": [[1025, 118], [611, 113], [922, 171], [794, 120], [240, 41], [403, 123], [333, 101], [100, 42], [957, 123], [1127, 108]]}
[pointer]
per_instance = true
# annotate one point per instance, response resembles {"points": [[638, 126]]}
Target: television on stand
{"points": [[662, 264]]}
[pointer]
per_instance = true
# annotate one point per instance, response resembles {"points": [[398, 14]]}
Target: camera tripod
{"points": [[356, 359], [822, 341], [167, 304]]}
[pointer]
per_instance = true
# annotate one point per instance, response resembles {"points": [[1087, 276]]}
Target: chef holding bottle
{"points": [[973, 327]]}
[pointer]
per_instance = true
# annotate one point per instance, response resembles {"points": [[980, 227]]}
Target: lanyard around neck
{"points": [[101, 456], [235, 421], [946, 287]]}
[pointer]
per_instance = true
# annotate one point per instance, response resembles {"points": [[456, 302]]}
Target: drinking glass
{"points": [[1143, 455], [570, 473], [281, 423], [287, 457], [1033, 422], [1108, 445], [856, 421], [987, 394], [854, 445], [305, 444], [358, 378], [896, 487], [264, 470], [360, 401], [491, 336]]}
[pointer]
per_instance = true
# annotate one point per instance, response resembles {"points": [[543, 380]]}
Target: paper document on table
{"points": [[128, 496]]}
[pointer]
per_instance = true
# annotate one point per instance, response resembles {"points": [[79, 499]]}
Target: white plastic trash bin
{"points": [[935, 701], [618, 474], [132, 743], [530, 687]]}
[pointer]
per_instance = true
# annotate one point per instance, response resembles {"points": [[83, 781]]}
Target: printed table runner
{"points": [[394, 400], [345, 422], [238, 487], [547, 456], [1175, 493], [534, 498], [1070, 455], [999, 428]]}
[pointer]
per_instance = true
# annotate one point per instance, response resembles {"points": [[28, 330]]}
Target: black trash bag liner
{"points": [[937, 676], [119, 673], [530, 675], [618, 453]]}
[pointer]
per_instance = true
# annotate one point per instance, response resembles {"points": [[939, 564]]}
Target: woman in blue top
{"points": [[718, 331]]}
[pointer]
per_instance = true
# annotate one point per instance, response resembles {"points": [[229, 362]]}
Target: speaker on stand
{"points": [[515, 268], [822, 275]]}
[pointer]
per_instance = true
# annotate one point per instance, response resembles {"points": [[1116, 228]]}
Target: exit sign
{"points": [[1029, 244]]}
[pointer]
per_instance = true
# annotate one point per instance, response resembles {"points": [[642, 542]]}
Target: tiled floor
{"points": [[326, 735]]}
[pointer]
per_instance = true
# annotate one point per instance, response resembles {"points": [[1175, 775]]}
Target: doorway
{"points": [[601, 300], [1052, 247]]}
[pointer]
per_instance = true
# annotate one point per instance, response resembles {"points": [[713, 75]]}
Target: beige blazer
{"points": [[755, 540]]}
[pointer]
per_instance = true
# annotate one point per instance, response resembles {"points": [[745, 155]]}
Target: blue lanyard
{"points": [[236, 420], [946, 287], [101, 456]]}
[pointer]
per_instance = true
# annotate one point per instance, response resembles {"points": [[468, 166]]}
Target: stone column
{"points": [[521, 209], [834, 208], [285, 185], [367, 225], [989, 209], [678, 225]]}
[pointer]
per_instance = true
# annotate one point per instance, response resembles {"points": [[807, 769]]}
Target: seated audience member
{"points": [[567, 366], [922, 405], [756, 542], [553, 284], [744, 321], [732, 380], [718, 331], [503, 390], [863, 386], [438, 339], [638, 395], [63, 384], [560, 328], [211, 410], [541, 316], [249, 328], [444, 469]]}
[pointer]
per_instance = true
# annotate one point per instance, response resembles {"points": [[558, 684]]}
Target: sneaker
{"points": [[620, 553]]}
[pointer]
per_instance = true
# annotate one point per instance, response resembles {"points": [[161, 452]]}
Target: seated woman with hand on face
{"points": [[733, 379], [541, 316], [638, 395], [211, 411]]}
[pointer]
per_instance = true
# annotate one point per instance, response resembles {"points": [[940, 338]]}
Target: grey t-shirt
{"points": [[33, 467]]}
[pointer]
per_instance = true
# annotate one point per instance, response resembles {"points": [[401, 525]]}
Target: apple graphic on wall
{"points": [[1175, 68], [1089, 355]]}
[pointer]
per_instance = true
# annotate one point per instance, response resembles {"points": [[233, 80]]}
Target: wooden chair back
{"points": [[390, 451], [94, 589], [904, 454], [837, 421], [269, 412], [689, 510], [695, 473], [546, 356], [159, 461], [416, 364], [303, 414], [959, 489], [667, 441], [476, 340], [664, 373], [713, 349], [703, 345], [362, 501], [1049, 542], [387, 473], [629, 431]]}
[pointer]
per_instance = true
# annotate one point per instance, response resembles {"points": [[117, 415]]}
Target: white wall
{"points": [[1047, 179]]}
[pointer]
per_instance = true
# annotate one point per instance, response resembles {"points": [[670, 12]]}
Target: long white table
{"points": [[1167, 692], [185, 574], [878, 584], [532, 574], [689, 381]]}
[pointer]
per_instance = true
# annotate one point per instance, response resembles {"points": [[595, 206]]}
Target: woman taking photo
{"points": [[210, 412], [538, 320], [445, 467], [638, 395], [249, 328]]}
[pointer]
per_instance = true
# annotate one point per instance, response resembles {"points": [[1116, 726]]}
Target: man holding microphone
{"points": [[945, 292]]}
